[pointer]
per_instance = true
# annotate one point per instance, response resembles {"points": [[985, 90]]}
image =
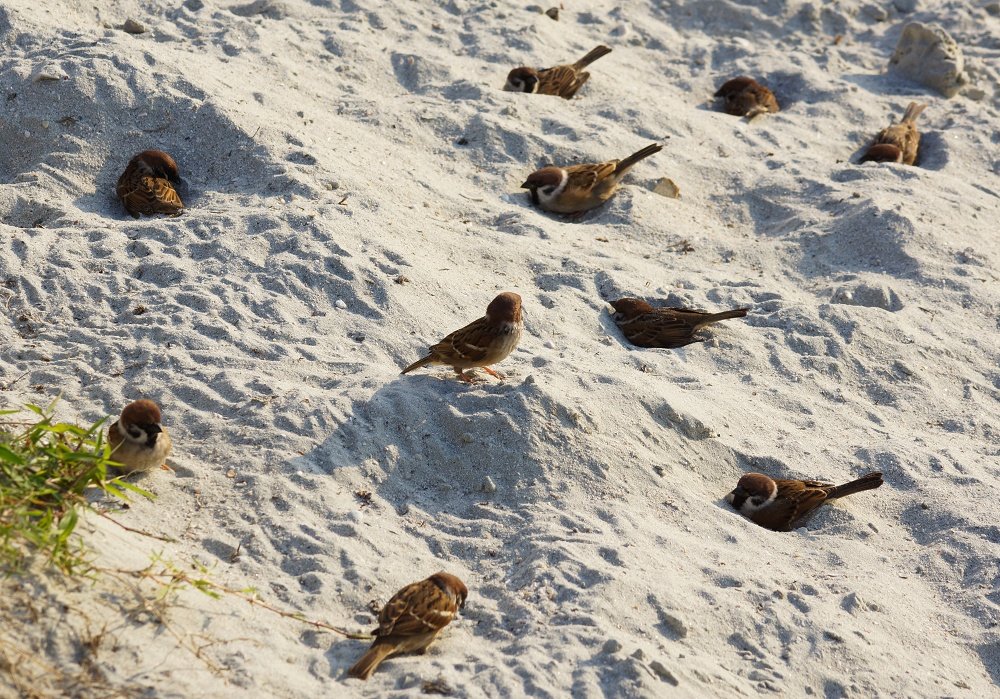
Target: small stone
{"points": [[133, 27], [467, 438], [927, 54], [831, 636], [488, 485], [355, 516], [666, 187], [675, 624], [402, 279], [549, 344], [340, 304], [553, 13], [638, 654], [611, 646], [663, 673], [231, 473], [905, 6], [875, 12], [48, 73]]}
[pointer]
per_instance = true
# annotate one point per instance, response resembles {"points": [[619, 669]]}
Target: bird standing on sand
{"points": [[577, 188], [897, 143], [138, 441], [646, 326], [562, 81], [147, 185], [744, 96], [778, 504], [482, 342], [412, 619]]}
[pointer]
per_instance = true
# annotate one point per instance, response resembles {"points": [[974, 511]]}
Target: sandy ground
{"points": [[333, 150]]}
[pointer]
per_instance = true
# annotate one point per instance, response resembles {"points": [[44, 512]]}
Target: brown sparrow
{"points": [[897, 143], [138, 441], [744, 96], [147, 185], [412, 619], [563, 81], [778, 504], [577, 188], [482, 342], [646, 326]]}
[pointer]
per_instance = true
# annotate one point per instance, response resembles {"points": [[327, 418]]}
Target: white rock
{"points": [[927, 54]]}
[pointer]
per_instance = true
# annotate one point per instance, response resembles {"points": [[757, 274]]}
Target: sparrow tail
{"points": [[599, 52], [628, 162], [419, 363], [725, 315], [370, 661], [869, 481], [913, 111]]}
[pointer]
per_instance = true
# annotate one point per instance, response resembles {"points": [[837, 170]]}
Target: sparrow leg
{"points": [[167, 468], [495, 374], [467, 378]]}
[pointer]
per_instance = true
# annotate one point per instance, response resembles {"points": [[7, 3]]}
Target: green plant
{"points": [[47, 469]]}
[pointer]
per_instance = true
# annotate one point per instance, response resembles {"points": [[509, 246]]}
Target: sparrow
{"points": [[646, 326], [147, 185], [744, 96], [412, 619], [563, 81], [482, 342], [778, 504], [897, 143], [577, 188], [138, 441]]}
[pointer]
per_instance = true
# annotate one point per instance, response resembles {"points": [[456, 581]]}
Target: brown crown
{"points": [[541, 178], [449, 581], [160, 163], [756, 484], [506, 308], [734, 86], [141, 412], [631, 307]]}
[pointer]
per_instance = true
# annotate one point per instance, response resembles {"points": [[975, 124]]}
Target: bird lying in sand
{"points": [[138, 441], [577, 188], [778, 504], [562, 81], [898, 143], [482, 342], [646, 326], [147, 185], [744, 96], [412, 619]]}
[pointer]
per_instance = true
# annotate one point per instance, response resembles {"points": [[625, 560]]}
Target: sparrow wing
{"points": [[165, 197], [418, 608], [560, 80], [795, 500], [585, 177], [473, 343], [657, 329]]}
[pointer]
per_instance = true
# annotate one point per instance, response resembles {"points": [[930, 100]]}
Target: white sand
{"points": [[330, 147]]}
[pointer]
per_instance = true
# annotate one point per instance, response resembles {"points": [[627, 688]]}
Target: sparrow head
{"points": [[451, 585], [734, 86], [547, 183], [631, 308], [161, 164], [140, 421], [505, 308], [522, 79], [752, 492], [883, 153]]}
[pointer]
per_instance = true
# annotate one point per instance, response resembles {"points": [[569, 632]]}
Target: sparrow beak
{"points": [[737, 498], [526, 185], [152, 428]]}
